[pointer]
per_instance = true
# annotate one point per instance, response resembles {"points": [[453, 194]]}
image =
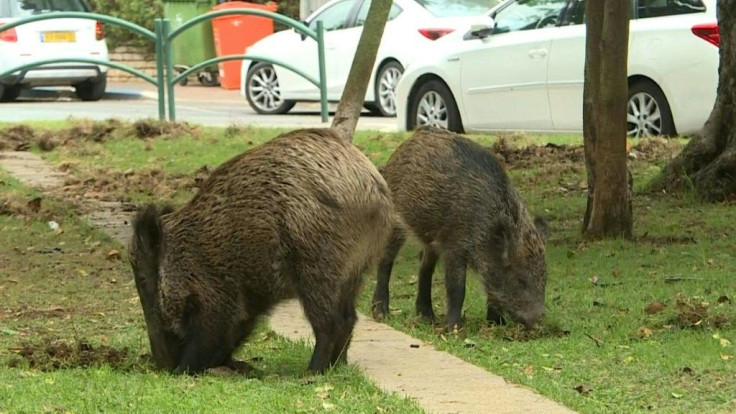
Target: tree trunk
{"points": [[708, 162], [351, 102], [609, 212]]}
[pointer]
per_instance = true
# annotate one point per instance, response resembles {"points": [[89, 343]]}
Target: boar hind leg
{"points": [[322, 310], [347, 317], [424, 294], [455, 270], [380, 295]]}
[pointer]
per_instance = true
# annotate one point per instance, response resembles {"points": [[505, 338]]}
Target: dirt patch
{"points": [[151, 128], [656, 149], [53, 355], [534, 155], [517, 333], [17, 138], [693, 312], [22, 137], [13, 204], [113, 185]]}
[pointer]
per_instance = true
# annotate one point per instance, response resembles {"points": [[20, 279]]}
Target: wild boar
{"points": [[453, 194], [300, 216]]}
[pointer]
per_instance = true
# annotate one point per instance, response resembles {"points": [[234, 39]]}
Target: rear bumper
{"points": [[54, 75]]}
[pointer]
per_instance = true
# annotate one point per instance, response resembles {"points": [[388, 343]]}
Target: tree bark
{"points": [[707, 164], [608, 212], [351, 102]]}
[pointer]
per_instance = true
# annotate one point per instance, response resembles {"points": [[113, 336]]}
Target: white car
{"points": [[412, 28], [523, 70], [49, 39]]}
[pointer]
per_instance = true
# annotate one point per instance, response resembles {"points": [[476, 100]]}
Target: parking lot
{"points": [[213, 106]]}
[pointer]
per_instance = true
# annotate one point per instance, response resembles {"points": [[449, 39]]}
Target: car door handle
{"points": [[537, 53]]}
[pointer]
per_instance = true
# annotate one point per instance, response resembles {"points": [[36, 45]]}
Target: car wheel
{"points": [[9, 93], [434, 105], [92, 89], [263, 92], [648, 112], [385, 88], [208, 78]]}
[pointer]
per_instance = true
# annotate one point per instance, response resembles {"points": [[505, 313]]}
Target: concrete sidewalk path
{"points": [[437, 381]]}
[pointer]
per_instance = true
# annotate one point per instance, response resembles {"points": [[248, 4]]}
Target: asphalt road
{"points": [[59, 104]]}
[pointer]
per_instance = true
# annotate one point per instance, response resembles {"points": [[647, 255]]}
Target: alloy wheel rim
{"points": [[643, 116], [387, 89], [432, 110], [264, 89]]}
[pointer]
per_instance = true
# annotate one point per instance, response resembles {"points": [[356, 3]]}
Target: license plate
{"points": [[58, 37]]}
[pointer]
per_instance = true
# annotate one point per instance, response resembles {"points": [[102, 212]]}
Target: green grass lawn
{"points": [[602, 352], [60, 289]]}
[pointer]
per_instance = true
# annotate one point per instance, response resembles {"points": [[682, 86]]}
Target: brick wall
{"points": [[131, 57]]}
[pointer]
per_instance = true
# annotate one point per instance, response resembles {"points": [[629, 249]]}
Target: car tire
{"points": [[9, 93], [92, 89], [385, 88], [648, 112], [433, 104], [263, 92], [373, 108]]}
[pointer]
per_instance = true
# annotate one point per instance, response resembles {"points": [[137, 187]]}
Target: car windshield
{"points": [[22, 8], [457, 8]]}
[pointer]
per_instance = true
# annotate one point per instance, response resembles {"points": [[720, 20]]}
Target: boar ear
{"points": [[541, 224], [500, 240], [147, 243]]}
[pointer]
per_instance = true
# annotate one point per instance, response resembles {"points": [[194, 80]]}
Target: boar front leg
{"points": [[455, 271]]}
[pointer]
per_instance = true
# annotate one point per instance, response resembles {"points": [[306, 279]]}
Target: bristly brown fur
{"points": [[453, 194], [300, 216]]}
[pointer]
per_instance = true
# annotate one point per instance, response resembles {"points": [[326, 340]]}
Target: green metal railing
{"points": [[318, 35], [162, 36], [155, 37]]}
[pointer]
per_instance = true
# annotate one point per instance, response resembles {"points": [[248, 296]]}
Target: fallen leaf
{"points": [[594, 280], [726, 357], [644, 332], [676, 395], [414, 346], [724, 299], [113, 255], [328, 406], [654, 307], [469, 343], [529, 370]]}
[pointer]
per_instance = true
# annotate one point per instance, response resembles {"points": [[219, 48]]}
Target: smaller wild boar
{"points": [[453, 194], [300, 216]]}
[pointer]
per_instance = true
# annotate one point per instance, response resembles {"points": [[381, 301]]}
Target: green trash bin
{"points": [[196, 44]]}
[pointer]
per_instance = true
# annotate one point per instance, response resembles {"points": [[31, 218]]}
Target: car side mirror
{"points": [[481, 28]]}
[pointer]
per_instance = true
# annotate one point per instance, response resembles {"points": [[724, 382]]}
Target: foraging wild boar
{"points": [[300, 216], [456, 198]]}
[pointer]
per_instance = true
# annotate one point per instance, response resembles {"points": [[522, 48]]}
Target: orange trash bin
{"points": [[232, 34]]}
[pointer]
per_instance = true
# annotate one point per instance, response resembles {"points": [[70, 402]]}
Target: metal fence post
{"points": [[160, 79], [169, 63], [322, 72]]}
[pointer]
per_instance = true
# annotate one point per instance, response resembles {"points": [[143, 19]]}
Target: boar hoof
{"points": [[426, 312], [380, 310]]}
